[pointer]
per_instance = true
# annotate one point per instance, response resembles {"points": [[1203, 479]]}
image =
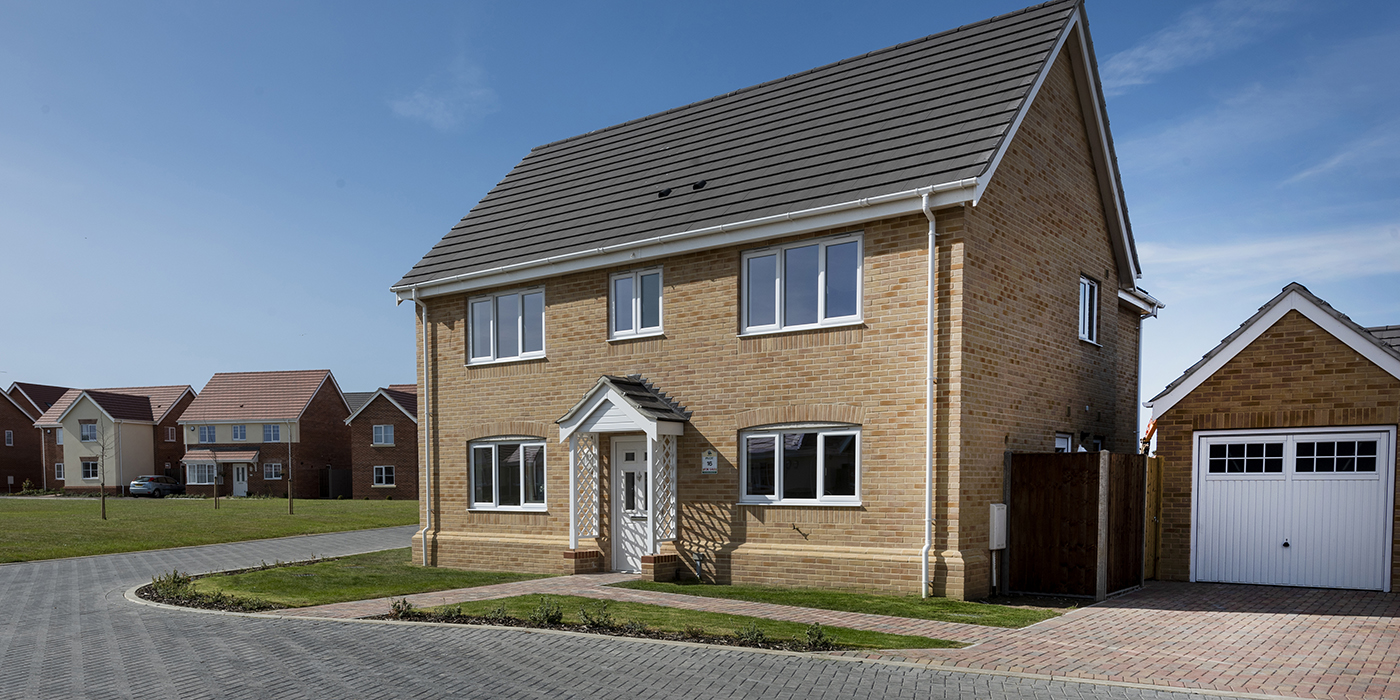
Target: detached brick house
{"points": [[706, 340], [35, 450], [1280, 457], [104, 438], [247, 429], [384, 442]]}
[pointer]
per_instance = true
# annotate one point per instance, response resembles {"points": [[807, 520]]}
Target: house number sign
{"points": [[709, 462]]}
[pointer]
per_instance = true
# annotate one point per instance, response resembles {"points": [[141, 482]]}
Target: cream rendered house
{"points": [[114, 435]]}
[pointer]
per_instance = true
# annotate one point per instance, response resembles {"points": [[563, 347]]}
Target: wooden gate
{"points": [[1075, 523]]}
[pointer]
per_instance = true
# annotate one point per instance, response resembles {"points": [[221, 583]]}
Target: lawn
{"points": [[678, 620], [49, 528], [941, 609], [359, 577]]}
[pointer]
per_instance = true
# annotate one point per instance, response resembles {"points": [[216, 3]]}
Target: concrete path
{"points": [[67, 631]]}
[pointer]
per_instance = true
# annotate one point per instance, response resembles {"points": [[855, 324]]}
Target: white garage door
{"points": [[1294, 508]]}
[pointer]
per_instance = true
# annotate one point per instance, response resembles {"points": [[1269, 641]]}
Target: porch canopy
{"points": [[220, 456], [623, 405]]}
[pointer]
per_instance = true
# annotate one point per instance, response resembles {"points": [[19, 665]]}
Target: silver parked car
{"points": [[156, 486]]}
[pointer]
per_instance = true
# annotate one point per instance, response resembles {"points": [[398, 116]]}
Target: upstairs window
{"points": [[240, 432], [170, 434], [506, 326], [207, 433], [383, 434], [809, 284], [9, 438], [272, 433], [87, 432], [802, 465], [1088, 310], [634, 304], [58, 436]]}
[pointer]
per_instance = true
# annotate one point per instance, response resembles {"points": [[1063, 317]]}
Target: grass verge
{"points": [[358, 577], [659, 622], [63, 527], [941, 609]]}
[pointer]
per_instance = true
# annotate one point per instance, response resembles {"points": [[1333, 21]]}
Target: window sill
{"points": [[639, 336], [507, 509], [800, 329], [804, 504], [1091, 342], [275, 478], [506, 361], [381, 444], [383, 486]]}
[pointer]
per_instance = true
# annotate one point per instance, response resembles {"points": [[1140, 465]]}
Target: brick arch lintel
{"points": [[801, 413], [510, 427]]}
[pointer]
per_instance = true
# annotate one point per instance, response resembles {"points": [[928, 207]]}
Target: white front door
{"points": [[1304, 508], [629, 522], [240, 480]]}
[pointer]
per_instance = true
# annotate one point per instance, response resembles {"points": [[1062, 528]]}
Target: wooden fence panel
{"points": [[1152, 518], [1126, 484], [1053, 523]]}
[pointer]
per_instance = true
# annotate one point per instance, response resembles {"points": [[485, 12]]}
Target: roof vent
{"points": [[664, 192], [699, 185]]}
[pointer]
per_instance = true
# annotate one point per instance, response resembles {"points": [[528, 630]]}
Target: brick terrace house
{"points": [[384, 442], [110, 436], [1280, 453], [21, 445], [707, 339], [246, 429], [33, 400]]}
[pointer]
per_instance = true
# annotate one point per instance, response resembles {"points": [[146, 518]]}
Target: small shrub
{"points": [[751, 634], [599, 618], [817, 639], [172, 585], [693, 631], [497, 615], [400, 608], [27, 485], [547, 612], [633, 627], [388, 498]]}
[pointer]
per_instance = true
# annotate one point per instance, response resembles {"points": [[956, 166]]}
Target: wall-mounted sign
{"points": [[709, 462]]}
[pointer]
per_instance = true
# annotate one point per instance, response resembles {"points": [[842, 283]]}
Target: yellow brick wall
{"points": [[1294, 375]]}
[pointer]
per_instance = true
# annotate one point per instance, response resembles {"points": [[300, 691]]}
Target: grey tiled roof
{"points": [[1390, 335], [641, 394], [926, 112], [357, 399]]}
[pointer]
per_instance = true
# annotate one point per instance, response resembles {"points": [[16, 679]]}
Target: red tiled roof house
{"points": [[34, 463], [106, 437], [384, 443], [246, 430]]}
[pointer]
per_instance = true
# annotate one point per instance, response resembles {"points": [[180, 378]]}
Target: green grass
{"points": [[658, 617], [33, 529], [941, 609], [359, 577]]}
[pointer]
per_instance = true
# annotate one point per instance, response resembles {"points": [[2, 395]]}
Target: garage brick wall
{"points": [[1294, 375]]}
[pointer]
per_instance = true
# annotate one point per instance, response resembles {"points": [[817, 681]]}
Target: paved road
{"points": [[66, 631]]}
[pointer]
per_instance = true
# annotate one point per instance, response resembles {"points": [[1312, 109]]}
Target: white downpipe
{"points": [[573, 492], [928, 398], [427, 433]]}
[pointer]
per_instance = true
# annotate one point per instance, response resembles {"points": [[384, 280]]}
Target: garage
{"points": [[1310, 508]]}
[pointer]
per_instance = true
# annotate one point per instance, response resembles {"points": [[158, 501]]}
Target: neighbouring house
{"points": [[384, 442], [247, 429], [21, 446], [103, 438], [33, 400], [705, 341], [1279, 449]]}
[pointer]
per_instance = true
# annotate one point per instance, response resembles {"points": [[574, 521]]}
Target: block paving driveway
{"points": [[68, 631]]}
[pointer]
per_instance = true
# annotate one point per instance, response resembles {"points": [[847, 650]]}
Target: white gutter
{"points": [[928, 397], [1142, 300], [427, 471], [957, 191]]}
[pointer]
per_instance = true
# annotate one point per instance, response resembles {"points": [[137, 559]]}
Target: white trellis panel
{"points": [[664, 489], [583, 487]]}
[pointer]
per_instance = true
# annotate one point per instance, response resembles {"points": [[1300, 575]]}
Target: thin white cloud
{"points": [[1198, 35], [444, 102], [1380, 146]]}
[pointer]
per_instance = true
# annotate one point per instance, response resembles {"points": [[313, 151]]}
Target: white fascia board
{"points": [[640, 422], [1293, 302], [708, 238], [1141, 300]]}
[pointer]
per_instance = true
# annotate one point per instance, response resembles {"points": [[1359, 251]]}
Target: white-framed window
{"points": [[58, 471], [89, 470], [508, 474], [384, 435], [801, 465], [272, 433], [808, 284], [9, 438], [239, 432], [634, 303], [87, 432], [1064, 442], [1088, 310], [58, 436], [170, 434], [508, 326], [384, 476], [272, 471], [200, 474], [207, 433]]}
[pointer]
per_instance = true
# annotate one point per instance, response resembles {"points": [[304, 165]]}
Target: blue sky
{"points": [[188, 188]]}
